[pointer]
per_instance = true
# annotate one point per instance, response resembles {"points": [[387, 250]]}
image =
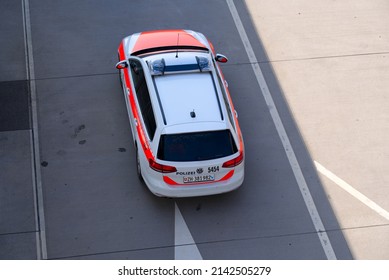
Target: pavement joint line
{"points": [[75, 76], [352, 191], [304, 189], [36, 171], [18, 232], [327, 57]]}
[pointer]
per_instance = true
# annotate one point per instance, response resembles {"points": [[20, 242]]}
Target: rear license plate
{"points": [[199, 178]]}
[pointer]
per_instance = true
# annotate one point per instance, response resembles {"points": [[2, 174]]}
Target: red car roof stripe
{"points": [[164, 38]]}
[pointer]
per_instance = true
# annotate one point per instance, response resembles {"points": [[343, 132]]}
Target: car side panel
{"points": [[134, 114]]}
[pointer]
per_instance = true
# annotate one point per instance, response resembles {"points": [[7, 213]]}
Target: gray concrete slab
{"points": [[15, 103], [17, 216], [265, 248], [16, 192], [12, 48], [19, 246], [369, 248]]}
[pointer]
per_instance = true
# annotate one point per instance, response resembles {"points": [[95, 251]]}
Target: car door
{"points": [[144, 123]]}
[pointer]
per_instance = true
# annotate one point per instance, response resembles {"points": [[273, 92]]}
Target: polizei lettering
{"points": [[185, 173]]}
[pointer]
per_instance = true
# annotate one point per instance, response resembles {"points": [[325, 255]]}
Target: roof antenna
{"points": [[178, 39], [193, 114]]}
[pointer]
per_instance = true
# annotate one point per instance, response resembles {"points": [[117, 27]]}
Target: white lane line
{"points": [[185, 247], [315, 217], [348, 188], [36, 172]]}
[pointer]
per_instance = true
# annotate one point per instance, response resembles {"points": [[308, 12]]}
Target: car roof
{"points": [[185, 93], [188, 97]]}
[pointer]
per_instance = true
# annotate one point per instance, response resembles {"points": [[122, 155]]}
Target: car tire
{"points": [[137, 162]]}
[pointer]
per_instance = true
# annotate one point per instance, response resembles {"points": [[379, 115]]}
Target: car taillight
{"points": [[161, 167], [234, 162]]}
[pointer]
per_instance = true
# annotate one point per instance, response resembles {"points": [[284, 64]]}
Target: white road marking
{"points": [[315, 217], [185, 247], [348, 188], [36, 172]]}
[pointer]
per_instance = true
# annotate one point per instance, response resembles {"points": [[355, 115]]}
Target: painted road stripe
{"points": [[36, 172], [348, 188], [318, 224], [185, 247]]}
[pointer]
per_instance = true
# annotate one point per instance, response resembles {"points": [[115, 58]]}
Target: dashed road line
{"points": [[305, 192], [348, 188], [36, 172]]}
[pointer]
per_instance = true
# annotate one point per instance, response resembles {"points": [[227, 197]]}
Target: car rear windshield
{"points": [[196, 146]]}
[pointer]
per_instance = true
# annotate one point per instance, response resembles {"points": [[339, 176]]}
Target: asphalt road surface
{"points": [[68, 186]]}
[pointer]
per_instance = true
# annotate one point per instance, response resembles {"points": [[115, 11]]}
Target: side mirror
{"points": [[122, 64], [221, 58]]}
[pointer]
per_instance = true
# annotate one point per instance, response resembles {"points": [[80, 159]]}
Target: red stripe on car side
{"points": [[241, 144], [122, 55], [134, 109], [139, 127]]}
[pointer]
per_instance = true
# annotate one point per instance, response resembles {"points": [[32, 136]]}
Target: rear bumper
{"points": [[158, 187]]}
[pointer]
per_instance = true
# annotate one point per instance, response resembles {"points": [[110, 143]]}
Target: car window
{"points": [[196, 146], [225, 99], [143, 96]]}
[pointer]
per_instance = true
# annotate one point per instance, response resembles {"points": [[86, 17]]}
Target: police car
{"points": [[184, 126]]}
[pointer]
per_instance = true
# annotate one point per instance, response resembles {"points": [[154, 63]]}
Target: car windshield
{"points": [[196, 146]]}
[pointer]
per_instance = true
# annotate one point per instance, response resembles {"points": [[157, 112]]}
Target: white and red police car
{"points": [[186, 133]]}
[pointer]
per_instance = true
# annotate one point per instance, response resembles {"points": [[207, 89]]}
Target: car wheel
{"points": [[138, 167]]}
